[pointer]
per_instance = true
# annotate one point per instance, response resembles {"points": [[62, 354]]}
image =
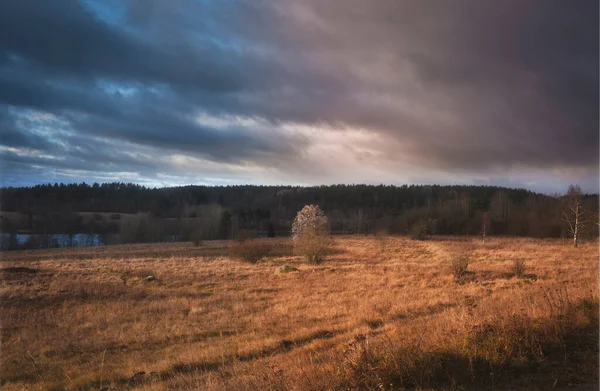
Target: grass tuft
{"points": [[518, 268], [459, 266]]}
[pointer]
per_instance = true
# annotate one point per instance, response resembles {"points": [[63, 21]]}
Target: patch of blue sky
{"points": [[126, 90], [110, 12]]}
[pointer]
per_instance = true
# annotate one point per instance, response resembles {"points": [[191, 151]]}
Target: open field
{"points": [[379, 313]]}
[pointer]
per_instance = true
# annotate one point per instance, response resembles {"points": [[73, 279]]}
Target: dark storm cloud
{"points": [[466, 86], [63, 37]]}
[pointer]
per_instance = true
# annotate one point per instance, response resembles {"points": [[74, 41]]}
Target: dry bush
{"points": [[418, 231], [459, 266], [243, 235], [311, 234], [251, 250], [382, 237], [313, 247], [518, 267]]}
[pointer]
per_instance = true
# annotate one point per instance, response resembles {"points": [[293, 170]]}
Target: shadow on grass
{"points": [[491, 275], [18, 269], [519, 351], [285, 345], [177, 370], [95, 293], [424, 311]]}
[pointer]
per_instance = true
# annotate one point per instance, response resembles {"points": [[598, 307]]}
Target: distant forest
{"points": [[141, 214]]}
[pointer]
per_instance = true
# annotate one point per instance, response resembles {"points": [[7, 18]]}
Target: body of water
{"points": [[38, 241]]}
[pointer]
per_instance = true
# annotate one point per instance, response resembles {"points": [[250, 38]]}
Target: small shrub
{"points": [[459, 266], [313, 247], [359, 362], [374, 323], [194, 235], [285, 269], [250, 251], [139, 273], [418, 231], [243, 235], [518, 267], [381, 236]]}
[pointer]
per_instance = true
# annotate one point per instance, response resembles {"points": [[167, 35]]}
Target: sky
{"points": [[166, 93]]}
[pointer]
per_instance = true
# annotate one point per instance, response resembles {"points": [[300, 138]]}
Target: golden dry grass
{"points": [[380, 313]]}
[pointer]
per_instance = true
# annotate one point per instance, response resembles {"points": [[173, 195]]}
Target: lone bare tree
{"points": [[485, 225], [310, 230], [573, 212]]}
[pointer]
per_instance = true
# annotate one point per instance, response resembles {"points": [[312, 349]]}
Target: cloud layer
{"points": [[310, 92]]}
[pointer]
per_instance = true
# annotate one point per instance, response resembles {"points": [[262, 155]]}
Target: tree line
{"points": [[142, 214]]}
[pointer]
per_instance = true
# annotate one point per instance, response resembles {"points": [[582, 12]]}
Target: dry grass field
{"points": [[380, 313]]}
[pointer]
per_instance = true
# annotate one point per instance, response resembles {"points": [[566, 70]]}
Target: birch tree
{"points": [[573, 213], [485, 225]]}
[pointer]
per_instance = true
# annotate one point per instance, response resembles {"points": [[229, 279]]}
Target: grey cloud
{"points": [[461, 85], [12, 136]]}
